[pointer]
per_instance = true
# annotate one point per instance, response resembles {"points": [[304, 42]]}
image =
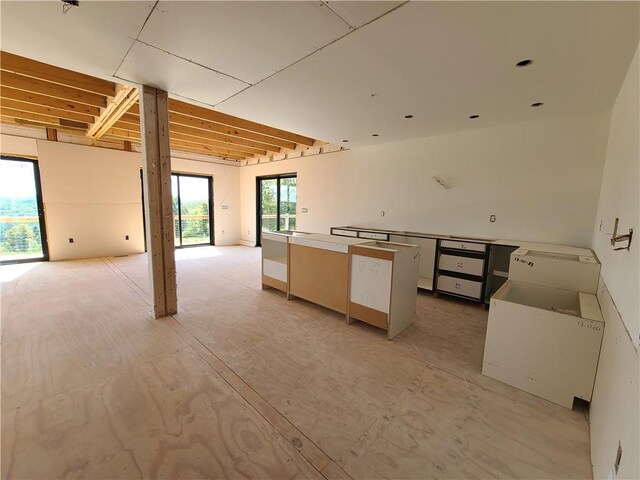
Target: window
{"points": [[22, 229], [192, 209], [276, 198]]}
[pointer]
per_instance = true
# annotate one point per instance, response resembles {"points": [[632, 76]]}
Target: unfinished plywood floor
{"points": [[243, 384]]}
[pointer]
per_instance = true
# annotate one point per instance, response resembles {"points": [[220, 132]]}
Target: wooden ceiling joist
{"points": [[231, 142], [239, 149], [46, 101], [41, 71], [214, 116], [118, 106], [175, 133], [36, 94], [28, 84], [43, 122], [179, 119], [44, 119], [48, 111], [178, 144]]}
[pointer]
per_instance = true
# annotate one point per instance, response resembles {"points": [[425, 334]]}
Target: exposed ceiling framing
{"points": [[40, 95]]}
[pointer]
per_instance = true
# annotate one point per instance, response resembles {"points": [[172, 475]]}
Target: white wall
{"points": [[541, 179], [93, 196], [615, 406]]}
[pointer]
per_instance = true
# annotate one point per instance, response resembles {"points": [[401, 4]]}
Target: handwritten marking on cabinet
{"points": [[370, 267], [524, 260], [591, 326]]}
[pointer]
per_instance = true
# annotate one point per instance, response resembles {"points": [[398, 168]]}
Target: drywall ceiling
{"points": [[347, 70]]}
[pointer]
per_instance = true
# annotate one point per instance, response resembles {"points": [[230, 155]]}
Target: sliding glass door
{"points": [[192, 209], [276, 203], [22, 229]]}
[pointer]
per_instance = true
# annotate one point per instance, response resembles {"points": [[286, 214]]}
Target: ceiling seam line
{"points": [[314, 52], [326, 4], [193, 62], [134, 39]]}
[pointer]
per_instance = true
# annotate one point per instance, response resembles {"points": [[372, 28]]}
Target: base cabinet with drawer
{"points": [[460, 267]]}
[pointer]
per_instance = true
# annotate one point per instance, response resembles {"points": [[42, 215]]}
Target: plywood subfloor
{"points": [[242, 383]]}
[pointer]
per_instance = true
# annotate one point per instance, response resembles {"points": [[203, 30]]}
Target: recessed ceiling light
{"points": [[345, 141], [408, 116], [375, 135], [524, 63], [473, 117], [537, 104]]}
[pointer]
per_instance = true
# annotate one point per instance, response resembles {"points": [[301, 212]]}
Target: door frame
{"points": [[41, 212], [209, 179], [277, 177]]}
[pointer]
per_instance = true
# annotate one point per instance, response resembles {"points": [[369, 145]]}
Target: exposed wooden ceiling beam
{"points": [[177, 145], [118, 106], [176, 106], [33, 85], [39, 122], [10, 112], [115, 133], [222, 146], [48, 111], [231, 142], [213, 116], [32, 68], [180, 119], [236, 149], [46, 101]]}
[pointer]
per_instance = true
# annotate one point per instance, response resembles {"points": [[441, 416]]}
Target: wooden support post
{"points": [[156, 167], [52, 134]]}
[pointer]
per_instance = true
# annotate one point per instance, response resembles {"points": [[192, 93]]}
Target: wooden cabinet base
{"points": [[369, 315], [273, 283]]}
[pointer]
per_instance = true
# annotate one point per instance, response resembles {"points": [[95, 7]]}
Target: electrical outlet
{"points": [[382, 213], [71, 240], [126, 237], [248, 232], [222, 232], [492, 219], [305, 210]]}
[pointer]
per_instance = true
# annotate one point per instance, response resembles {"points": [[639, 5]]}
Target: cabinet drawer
{"points": [[460, 286], [344, 233], [458, 245], [374, 236], [454, 263]]}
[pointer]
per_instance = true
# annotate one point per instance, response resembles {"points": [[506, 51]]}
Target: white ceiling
{"points": [[345, 70]]}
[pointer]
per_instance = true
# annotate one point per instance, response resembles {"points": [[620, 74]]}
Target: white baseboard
{"points": [[247, 243]]}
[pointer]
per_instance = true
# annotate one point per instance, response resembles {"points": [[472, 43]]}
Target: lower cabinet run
{"points": [[384, 285], [375, 282]]}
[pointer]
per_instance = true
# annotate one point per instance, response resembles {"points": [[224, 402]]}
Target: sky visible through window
{"points": [[16, 179]]}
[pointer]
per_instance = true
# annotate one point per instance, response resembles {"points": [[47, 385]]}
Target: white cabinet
{"points": [[544, 333], [383, 285], [428, 247], [544, 340], [275, 256]]}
